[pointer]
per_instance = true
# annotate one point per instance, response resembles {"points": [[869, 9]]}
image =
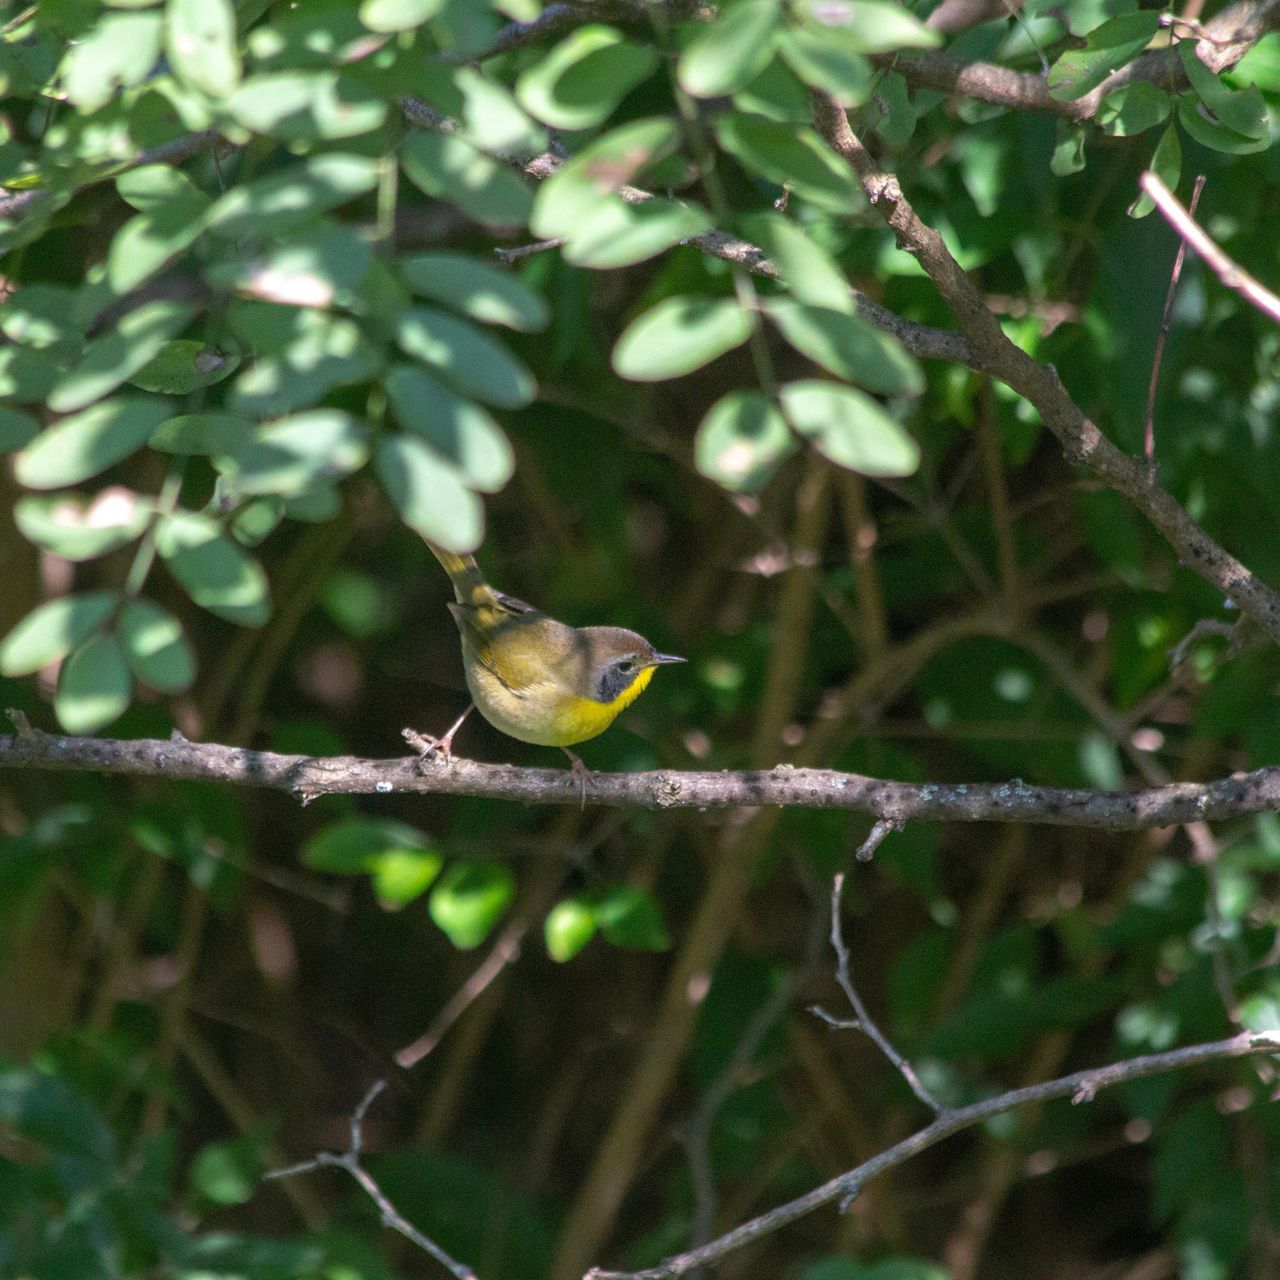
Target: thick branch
{"points": [[309, 777], [1038, 383], [1080, 1087]]}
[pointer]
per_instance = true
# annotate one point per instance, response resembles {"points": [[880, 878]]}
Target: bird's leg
{"points": [[424, 744], [579, 771]]}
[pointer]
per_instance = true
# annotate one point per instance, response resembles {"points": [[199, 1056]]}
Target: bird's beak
{"points": [[660, 658]]}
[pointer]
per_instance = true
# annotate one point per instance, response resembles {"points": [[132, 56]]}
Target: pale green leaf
{"points": [[679, 335], [465, 357], [469, 899], [94, 686], [428, 493], [215, 572], [849, 428], [483, 292], [730, 52], [87, 443], [202, 44], [51, 630], [75, 529], [155, 648], [583, 78], [741, 441]]}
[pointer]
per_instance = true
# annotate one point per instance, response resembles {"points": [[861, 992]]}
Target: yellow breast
{"points": [[547, 714]]}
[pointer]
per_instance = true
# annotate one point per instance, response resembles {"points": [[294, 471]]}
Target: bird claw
{"points": [[425, 745], [578, 772]]}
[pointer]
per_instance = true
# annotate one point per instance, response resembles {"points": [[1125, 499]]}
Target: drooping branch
{"points": [[894, 803], [1080, 1087], [994, 353]]}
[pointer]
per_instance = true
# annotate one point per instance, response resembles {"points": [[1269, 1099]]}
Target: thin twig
{"points": [[1080, 1087], [862, 1020], [1234, 276], [1149, 418], [349, 1162]]}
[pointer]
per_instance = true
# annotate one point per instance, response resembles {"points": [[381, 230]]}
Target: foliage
{"points": [[257, 345]]}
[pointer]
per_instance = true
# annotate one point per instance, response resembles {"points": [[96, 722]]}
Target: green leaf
{"points": [[306, 106], [730, 52], [809, 272], [485, 293], [294, 196], [155, 648], [569, 926], [847, 346], [451, 169], [39, 315], [87, 443], [871, 26], [792, 156], [630, 917], [461, 432], [428, 493], [329, 351], [227, 1173], [1107, 48], [470, 899], [898, 117], [118, 355], [354, 846], [121, 50], [398, 15], [1241, 111], [1068, 155], [1209, 133], [75, 530], [1166, 164], [317, 267], [154, 188], [215, 572], [465, 357], [490, 118], [17, 430], [1133, 109], [202, 433], [202, 44], [145, 244], [850, 429], [678, 336], [184, 365], [51, 630], [578, 83], [94, 686], [828, 59], [403, 876], [741, 441], [26, 375], [615, 234], [598, 171], [298, 453]]}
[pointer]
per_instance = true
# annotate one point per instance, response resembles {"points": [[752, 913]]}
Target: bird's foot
{"points": [[425, 745], [578, 772]]}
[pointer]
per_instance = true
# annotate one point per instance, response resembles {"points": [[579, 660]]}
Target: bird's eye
{"points": [[626, 666]]}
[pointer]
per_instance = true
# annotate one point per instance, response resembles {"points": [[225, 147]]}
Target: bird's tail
{"points": [[469, 585]]}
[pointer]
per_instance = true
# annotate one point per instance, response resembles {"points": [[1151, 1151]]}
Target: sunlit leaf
{"points": [[428, 493], [155, 648], [678, 336], [741, 441], [51, 630], [581, 80], [469, 899], [850, 429], [94, 686], [731, 51], [89, 442]]}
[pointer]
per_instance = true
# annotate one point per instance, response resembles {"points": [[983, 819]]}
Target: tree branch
{"points": [[1040, 385], [1081, 1086], [308, 777]]}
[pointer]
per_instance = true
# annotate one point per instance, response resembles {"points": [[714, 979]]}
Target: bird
{"points": [[534, 678]]}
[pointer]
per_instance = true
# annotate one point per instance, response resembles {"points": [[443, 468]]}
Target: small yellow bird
{"points": [[537, 679]]}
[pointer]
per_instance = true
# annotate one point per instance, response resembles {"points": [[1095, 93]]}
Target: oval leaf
{"points": [[470, 899], [580, 82], [679, 335], [484, 293], [727, 55], [75, 530], [215, 572], [850, 429], [155, 648], [88, 443], [465, 357], [298, 453], [51, 630], [741, 441], [94, 686]]}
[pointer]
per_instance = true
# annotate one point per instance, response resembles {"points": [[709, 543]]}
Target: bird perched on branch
{"points": [[536, 679]]}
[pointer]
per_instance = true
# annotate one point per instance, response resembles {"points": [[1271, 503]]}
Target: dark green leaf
{"points": [[119, 354], [1107, 48], [227, 1173], [215, 572], [51, 630], [465, 357], [183, 365], [848, 346], [1242, 111], [294, 196], [792, 156], [679, 335], [1209, 133], [94, 686], [38, 315], [87, 443], [1133, 109], [155, 648], [428, 493], [298, 453], [17, 430], [355, 845], [460, 431], [306, 106], [741, 441], [630, 917], [1166, 164], [580, 81], [483, 292], [452, 169], [202, 433], [828, 59], [872, 26], [850, 429], [730, 52]]}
